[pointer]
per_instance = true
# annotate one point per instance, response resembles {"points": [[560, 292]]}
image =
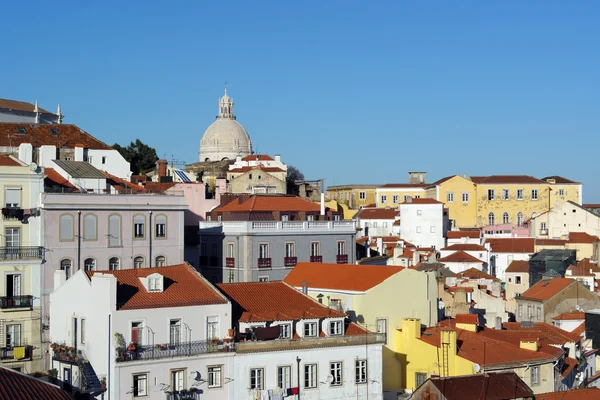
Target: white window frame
{"points": [[160, 226], [395, 199], [139, 228], [336, 328], [534, 194], [383, 199], [290, 249], [450, 197], [257, 378], [362, 195], [520, 194], [263, 278], [18, 190], [285, 331], [491, 218], [561, 192], [341, 247], [505, 194], [336, 369], [310, 329], [313, 248], [360, 371], [310, 376], [138, 390], [82, 331], [178, 379], [284, 376], [382, 326], [138, 262], [263, 250], [535, 375], [215, 373], [465, 197], [491, 195]]}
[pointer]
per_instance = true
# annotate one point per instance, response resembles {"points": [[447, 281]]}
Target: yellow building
{"points": [[21, 271], [354, 196], [369, 294], [458, 195], [461, 348], [392, 194], [342, 208]]}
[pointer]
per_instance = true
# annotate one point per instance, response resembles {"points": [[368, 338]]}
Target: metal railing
{"points": [[21, 253], [12, 353], [182, 349], [230, 262], [341, 258], [16, 302], [316, 259], [290, 261], [184, 396], [264, 263]]}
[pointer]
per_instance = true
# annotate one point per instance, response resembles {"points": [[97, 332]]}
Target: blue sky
{"points": [[353, 92]]}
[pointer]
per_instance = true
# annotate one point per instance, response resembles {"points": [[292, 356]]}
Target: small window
{"points": [[259, 177], [161, 226], [419, 212], [383, 199], [257, 378], [263, 250], [53, 131], [174, 332], [65, 265], [285, 217], [315, 249], [505, 194], [362, 195], [286, 331], [381, 324], [249, 176], [114, 231], [66, 227], [341, 247], [284, 377], [335, 328], [518, 279], [491, 194], [420, 378], [140, 385], [310, 376], [450, 197], [103, 160], [534, 194], [535, 375], [395, 199], [505, 218], [520, 194], [491, 219], [520, 310], [12, 197], [465, 197], [263, 279], [290, 249], [214, 376], [335, 368], [561, 192], [89, 264], [161, 261], [432, 229], [360, 367], [539, 313], [82, 330], [138, 226], [419, 229], [310, 329], [520, 219], [21, 130], [138, 262], [177, 380], [113, 264]]}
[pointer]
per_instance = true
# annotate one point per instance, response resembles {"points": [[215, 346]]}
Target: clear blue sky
{"points": [[354, 92]]}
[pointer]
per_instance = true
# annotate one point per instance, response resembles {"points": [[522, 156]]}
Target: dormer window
{"points": [[21, 130], [155, 284], [310, 329], [286, 331], [335, 328]]}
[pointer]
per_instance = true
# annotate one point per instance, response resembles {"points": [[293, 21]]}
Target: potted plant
{"points": [[132, 346], [52, 373]]}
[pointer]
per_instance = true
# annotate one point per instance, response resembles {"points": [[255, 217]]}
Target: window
{"points": [[310, 376], [284, 377], [465, 197], [65, 265], [66, 227], [375, 224], [12, 237], [290, 249], [12, 197], [535, 375], [140, 385], [13, 285], [520, 310], [259, 177], [285, 217], [82, 330], [310, 217], [103, 160], [335, 368], [539, 313], [450, 197], [505, 194], [406, 197], [249, 176], [418, 229], [315, 249], [174, 332], [13, 335], [89, 264], [417, 196], [505, 218], [491, 219], [214, 376], [534, 194], [138, 226], [561, 192], [177, 378], [310, 329], [161, 261], [137, 332], [520, 219], [335, 328], [432, 229], [113, 263], [420, 378], [212, 327], [286, 331], [257, 376], [263, 279], [341, 247], [491, 194], [543, 226], [114, 231], [360, 367], [263, 250], [383, 199], [90, 227], [518, 279], [520, 194], [529, 314], [362, 195], [138, 262], [419, 212], [161, 226], [21, 130], [395, 199], [382, 326]]}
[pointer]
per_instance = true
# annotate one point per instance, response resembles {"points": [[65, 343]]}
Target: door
{"points": [[13, 241], [67, 375], [13, 285]]}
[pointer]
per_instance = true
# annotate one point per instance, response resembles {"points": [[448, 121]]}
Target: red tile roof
{"points": [[474, 273], [183, 287], [351, 277], [584, 268], [518, 266], [590, 205], [460, 257], [573, 394], [54, 178], [422, 200], [378, 213], [8, 161], [20, 106], [471, 319], [159, 187], [274, 301], [465, 247], [356, 330], [488, 386], [512, 245], [571, 315], [463, 234], [17, 386], [68, 136], [444, 179], [547, 333], [122, 185], [560, 179], [257, 157], [579, 330], [582, 237], [269, 203], [497, 179], [546, 289], [550, 242]]}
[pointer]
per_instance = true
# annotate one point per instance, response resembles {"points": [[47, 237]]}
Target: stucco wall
{"points": [[422, 224]]}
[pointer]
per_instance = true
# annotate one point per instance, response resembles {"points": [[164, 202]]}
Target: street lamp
{"points": [[298, 361]]}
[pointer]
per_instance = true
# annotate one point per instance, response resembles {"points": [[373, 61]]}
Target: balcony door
{"points": [[12, 242], [13, 285]]}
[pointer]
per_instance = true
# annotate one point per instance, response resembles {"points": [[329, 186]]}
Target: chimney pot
{"points": [[161, 165]]}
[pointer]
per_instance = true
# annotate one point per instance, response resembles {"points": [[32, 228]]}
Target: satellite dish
{"points": [[33, 167], [476, 368]]}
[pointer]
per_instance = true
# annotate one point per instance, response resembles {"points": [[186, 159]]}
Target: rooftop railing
{"points": [[182, 349]]}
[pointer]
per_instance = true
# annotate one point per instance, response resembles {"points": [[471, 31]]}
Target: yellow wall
{"points": [[400, 192], [527, 206], [350, 195], [463, 213], [584, 250], [342, 208]]}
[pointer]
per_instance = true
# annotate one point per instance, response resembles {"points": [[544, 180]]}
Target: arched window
{"points": [[90, 224], [161, 261], [138, 262], [89, 264], [139, 221], [66, 265], [491, 219], [113, 263], [161, 226], [66, 227], [505, 218], [114, 230], [520, 219]]}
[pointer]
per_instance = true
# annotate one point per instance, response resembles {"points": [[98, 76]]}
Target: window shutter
{"points": [[114, 230], [13, 196], [89, 227], [66, 227]]}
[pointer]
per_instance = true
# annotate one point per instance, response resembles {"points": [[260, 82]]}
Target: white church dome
{"points": [[225, 138]]}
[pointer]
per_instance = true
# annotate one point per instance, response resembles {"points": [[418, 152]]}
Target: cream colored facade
{"points": [[353, 196], [21, 272], [257, 180], [516, 284], [380, 306], [564, 217], [458, 195], [392, 195]]}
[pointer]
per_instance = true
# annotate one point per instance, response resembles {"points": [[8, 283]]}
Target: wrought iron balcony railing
{"points": [[230, 262], [7, 302], [290, 261], [21, 253], [264, 263], [316, 259], [183, 349], [341, 258], [16, 353]]}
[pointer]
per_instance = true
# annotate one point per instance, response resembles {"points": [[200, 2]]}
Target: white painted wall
{"points": [[503, 260], [564, 218], [568, 324], [422, 224], [113, 162], [457, 267], [483, 255], [377, 227]]}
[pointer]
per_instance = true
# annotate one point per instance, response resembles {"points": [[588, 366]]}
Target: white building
{"points": [[423, 222], [466, 236], [376, 221], [460, 261], [564, 218], [506, 250]]}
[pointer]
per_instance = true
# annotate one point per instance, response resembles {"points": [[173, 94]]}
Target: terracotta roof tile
{"points": [[488, 386], [257, 157], [465, 247], [422, 200], [8, 161], [548, 333], [474, 273], [518, 266], [183, 286], [497, 179], [351, 277], [17, 386], [472, 319], [53, 178], [579, 330], [512, 245], [378, 213], [269, 203], [546, 289], [274, 301], [582, 237], [68, 136], [159, 187], [590, 205], [461, 257], [122, 185], [463, 234], [442, 180], [573, 394], [571, 315], [20, 106], [560, 179], [550, 242], [354, 329], [584, 268]]}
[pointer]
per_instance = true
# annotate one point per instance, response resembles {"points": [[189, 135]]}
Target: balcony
{"points": [[230, 262], [316, 259], [21, 253], [16, 302], [290, 261], [309, 343], [264, 263], [185, 395], [16, 353], [278, 227], [183, 349], [341, 259]]}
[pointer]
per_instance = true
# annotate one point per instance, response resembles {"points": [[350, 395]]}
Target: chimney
{"points": [[416, 177], [448, 338], [411, 328], [380, 246], [498, 323], [529, 344], [277, 158], [161, 166]]}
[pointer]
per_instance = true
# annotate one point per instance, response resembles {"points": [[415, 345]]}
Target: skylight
{"points": [[54, 131], [21, 130]]}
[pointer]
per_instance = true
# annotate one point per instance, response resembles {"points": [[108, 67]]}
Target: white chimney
{"points": [[60, 277], [322, 203], [380, 246]]}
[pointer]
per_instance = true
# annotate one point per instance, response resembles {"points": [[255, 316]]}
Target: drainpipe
{"points": [[150, 236], [78, 242], [109, 357]]}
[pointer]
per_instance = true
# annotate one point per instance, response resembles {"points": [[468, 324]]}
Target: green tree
{"points": [[141, 157], [294, 174]]}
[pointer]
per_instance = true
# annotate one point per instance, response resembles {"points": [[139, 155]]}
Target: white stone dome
{"points": [[225, 138]]}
